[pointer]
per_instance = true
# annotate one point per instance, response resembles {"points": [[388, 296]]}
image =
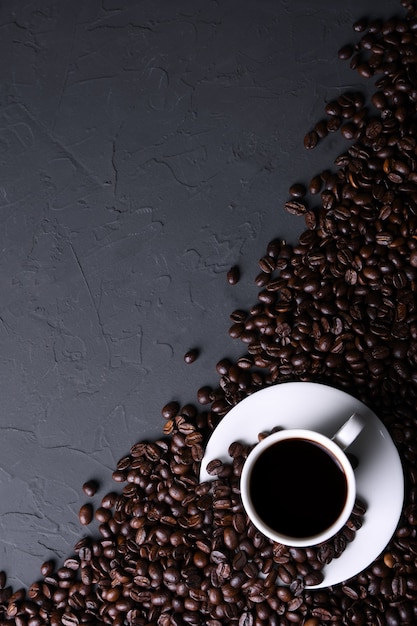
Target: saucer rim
{"points": [[296, 390]]}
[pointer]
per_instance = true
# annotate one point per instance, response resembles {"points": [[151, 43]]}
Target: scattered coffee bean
{"points": [[297, 190], [90, 488], [203, 394], [86, 514], [191, 356], [170, 410], [233, 275], [315, 185], [311, 140], [345, 52], [295, 207]]}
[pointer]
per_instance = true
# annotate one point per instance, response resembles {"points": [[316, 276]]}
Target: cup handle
{"points": [[347, 434]]}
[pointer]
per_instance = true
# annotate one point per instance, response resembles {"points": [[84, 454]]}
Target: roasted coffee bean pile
{"points": [[339, 308], [176, 551]]}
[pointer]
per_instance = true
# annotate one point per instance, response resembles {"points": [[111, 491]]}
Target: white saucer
{"points": [[379, 475]]}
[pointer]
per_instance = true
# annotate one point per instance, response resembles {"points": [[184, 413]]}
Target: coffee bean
{"points": [[345, 52], [297, 190], [267, 264], [315, 185], [90, 488], [203, 394], [348, 130], [246, 619], [295, 207], [233, 275], [47, 568], [69, 619], [392, 617], [215, 467], [191, 355], [310, 140], [170, 410], [333, 124]]}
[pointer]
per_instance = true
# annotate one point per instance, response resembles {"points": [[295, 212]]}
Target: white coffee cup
{"points": [[298, 486]]}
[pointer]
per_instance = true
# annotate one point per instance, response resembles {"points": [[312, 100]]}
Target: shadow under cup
{"points": [[298, 487]]}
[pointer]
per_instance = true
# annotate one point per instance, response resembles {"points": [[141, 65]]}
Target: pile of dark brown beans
{"points": [[340, 308]]}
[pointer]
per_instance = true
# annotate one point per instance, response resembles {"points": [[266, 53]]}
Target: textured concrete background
{"points": [[145, 148]]}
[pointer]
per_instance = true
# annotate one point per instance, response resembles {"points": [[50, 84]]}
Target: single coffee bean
{"points": [[345, 52], [321, 129], [170, 410], [86, 514], [295, 207], [348, 130], [203, 394], [315, 185], [297, 190], [310, 140], [47, 568], [191, 355], [233, 275], [333, 124], [90, 488]]}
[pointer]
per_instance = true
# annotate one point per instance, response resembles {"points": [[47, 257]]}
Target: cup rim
{"points": [[333, 448]]}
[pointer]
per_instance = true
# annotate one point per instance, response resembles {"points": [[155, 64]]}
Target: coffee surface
{"points": [[298, 488]]}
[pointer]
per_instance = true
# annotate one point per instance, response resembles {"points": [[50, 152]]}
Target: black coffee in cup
{"points": [[298, 487]]}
